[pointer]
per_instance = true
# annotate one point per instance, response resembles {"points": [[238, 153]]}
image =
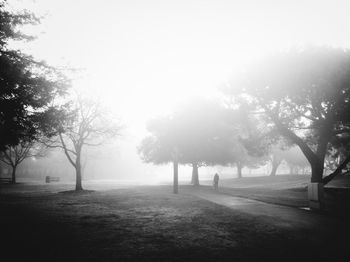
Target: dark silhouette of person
{"points": [[216, 181]]}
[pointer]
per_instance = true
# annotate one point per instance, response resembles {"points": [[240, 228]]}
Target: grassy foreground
{"points": [[47, 223]]}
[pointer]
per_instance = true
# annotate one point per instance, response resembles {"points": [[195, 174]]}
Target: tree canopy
{"points": [[200, 133], [303, 91], [197, 132], [27, 86]]}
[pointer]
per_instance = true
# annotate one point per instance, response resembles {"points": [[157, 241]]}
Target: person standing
{"points": [[216, 181]]}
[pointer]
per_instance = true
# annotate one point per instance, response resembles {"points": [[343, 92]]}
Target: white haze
{"points": [[141, 58]]}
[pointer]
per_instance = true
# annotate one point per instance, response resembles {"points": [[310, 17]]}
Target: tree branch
{"points": [[66, 151], [338, 171], [309, 154]]}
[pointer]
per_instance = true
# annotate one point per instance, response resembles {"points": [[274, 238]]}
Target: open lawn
{"points": [[148, 223]]}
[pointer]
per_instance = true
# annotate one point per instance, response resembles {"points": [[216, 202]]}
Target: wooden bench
{"points": [[49, 179], [4, 180]]}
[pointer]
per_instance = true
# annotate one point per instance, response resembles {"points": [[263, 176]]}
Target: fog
{"points": [[174, 130], [142, 58]]}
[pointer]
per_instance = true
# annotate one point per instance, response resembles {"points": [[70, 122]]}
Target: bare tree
{"points": [[14, 155], [88, 125]]}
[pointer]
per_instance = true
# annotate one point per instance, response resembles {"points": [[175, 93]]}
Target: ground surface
{"points": [[49, 223], [289, 190]]}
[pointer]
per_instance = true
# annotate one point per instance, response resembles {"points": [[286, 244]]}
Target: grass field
{"points": [[148, 223]]}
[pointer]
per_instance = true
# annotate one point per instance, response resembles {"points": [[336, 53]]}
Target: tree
{"points": [[161, 146], [27, 87], [277, 152], [158, 149], [251, 137], [205, 134], [250, 162], [251, 148], [298, 91], [84, 124], [14, 155], [291, 155], [197, 134], [276, 160]]}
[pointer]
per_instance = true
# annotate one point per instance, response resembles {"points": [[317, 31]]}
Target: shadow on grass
{"points": [[77, 192]]}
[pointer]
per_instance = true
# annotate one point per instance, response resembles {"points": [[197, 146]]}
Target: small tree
{"points": [[83, 124], [276, 160], [241, 158], [277, 151], [250, 148], [14, 155]]}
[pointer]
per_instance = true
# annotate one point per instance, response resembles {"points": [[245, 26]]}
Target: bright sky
{"points": [[143, 56]]}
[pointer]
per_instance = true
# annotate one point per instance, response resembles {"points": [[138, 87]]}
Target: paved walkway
{"points": [[278, 215]]}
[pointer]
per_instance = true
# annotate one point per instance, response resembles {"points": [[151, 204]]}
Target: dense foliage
{"points": [[305, 94], [27, 87]]}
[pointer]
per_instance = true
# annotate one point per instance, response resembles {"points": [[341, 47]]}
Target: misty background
{"points": [[142, 59]]}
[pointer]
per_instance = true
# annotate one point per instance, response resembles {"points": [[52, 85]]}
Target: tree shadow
{"points": [[77, 192]]}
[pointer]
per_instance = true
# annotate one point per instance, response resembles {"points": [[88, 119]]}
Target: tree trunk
{"points": [[291, 170], [316, 160], [13, 175], [195, 178], [78, 185], [316, 172], [275, 164], [319, 164], [239, 170], [274, 170], [176, 178]]}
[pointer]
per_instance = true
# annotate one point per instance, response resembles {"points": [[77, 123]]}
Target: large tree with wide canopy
{"points": [[302, 92], [200, 133]]}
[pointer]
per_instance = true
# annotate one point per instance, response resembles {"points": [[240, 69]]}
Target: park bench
{"points": [[7, 180], [49, 179]]}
